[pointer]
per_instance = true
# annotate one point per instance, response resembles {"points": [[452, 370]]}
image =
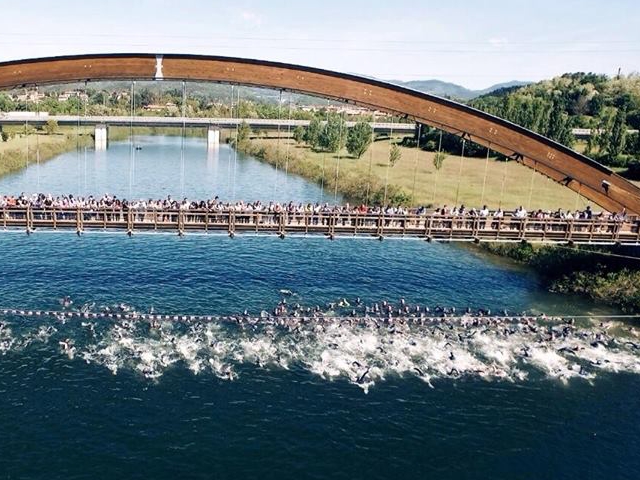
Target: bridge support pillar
{"points": [[100, 137], [213, 137]]}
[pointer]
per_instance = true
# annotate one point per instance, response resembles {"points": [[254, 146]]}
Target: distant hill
{"points": [[454, 91]]}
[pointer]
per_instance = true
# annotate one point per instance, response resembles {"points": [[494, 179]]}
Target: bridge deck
{"points": [[429, 227]]}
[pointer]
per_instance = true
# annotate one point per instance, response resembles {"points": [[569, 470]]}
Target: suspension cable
{"points": [[78, 162], [460, 171], [484, 179], [373, 139], [37, 143], [435, 179], [386, 180], [533, 173], [504, 179], [183, 133], [578, 196], [131, 137], [415, 168], [235, 150], [286, 155], [275, 178], [340, 137], [324, 155]]}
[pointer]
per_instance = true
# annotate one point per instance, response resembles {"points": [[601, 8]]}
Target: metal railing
{"points": [[428, 226]]}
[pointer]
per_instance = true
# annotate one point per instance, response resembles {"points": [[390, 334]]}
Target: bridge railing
{"points": [[429, 226]]}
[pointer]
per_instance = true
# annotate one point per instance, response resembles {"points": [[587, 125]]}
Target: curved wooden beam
{"points": [[578, 172]]}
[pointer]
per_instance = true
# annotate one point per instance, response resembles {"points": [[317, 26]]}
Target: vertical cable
{"points": [[533, 173], [182, 137], [415, 168], [275, 181], [131, 139], [340, 137], [386, 180], [286, 177], [484, 179], [435, 179], [460, 172], [373, 138]]}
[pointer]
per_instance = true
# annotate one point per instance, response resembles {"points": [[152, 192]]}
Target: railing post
{"points": [[523, 228], [4, 217], [78, 220], [28, 221], [231, 226]]}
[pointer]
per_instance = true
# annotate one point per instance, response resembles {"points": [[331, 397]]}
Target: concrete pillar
{"points": [[100, 136], [213, 137]]}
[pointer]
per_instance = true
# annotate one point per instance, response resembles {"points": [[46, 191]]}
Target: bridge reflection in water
{"points": [[598, 230]]}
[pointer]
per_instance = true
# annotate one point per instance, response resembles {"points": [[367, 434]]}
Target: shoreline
{"points": [[595, 273]]}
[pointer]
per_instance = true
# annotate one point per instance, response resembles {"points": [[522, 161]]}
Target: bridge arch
{"points": [[577, 172]]}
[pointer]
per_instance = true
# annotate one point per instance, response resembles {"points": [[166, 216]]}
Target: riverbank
{"points": [[21, 150], [604, 275], [413, 179]]}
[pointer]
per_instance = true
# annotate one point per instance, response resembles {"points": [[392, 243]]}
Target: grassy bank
{"points": [[414, 178], [23, 150], [593, 272]]}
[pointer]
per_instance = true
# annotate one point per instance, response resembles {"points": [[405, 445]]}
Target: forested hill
{"points": [[609, 106]]}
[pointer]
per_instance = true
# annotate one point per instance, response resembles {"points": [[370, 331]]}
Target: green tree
{"points": [[438, 160], [6, 104], [312, 133], [332, 137], [299, 134], [618, 134], [359, 139], [394, 154], [4, 135], [244, 131], [51, 127], [559, 128]]}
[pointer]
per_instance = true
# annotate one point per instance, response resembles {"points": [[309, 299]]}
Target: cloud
{"points": [[251, 18]]}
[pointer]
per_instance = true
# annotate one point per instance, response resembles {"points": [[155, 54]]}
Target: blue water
{"points": [[164, 166], [223, 402]]}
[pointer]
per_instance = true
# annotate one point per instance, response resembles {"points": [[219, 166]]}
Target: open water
{"points": [[191, 400]]}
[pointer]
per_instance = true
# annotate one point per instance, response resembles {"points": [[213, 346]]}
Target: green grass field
{"points": [[459, 181]]}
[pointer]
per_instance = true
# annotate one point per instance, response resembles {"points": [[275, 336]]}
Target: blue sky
{"points": [[474, 44]]}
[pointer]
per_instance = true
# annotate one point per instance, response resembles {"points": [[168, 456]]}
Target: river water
{"points": [[335, 401]]}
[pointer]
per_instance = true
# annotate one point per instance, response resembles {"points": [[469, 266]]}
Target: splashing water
{"points": [[361, 351]]}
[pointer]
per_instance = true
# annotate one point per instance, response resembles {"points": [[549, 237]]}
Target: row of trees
{"points": [[334, 135], [607, 106]]}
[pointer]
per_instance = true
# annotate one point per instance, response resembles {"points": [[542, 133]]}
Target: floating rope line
{"points": [[318, 318]]}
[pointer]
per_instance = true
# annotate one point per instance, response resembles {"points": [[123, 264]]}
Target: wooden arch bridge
{"points": [[573, 170]]}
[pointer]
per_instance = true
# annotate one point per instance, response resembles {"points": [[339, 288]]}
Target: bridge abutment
{"points": [[101, 136]]}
